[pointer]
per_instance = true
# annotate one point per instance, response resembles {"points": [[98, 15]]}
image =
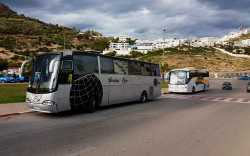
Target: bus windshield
{"points": [[42, 81], [178, 77]]}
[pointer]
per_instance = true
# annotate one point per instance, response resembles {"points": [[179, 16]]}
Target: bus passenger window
{"points": [[155, 70], [145, 69], [107, 65], [121, 67], [134, 68], [85, 64]]}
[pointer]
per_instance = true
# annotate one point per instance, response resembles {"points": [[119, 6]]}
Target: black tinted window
{"points": [[107, 65], [145, 69], [155, 70], [67, 65], [120, 67], [134, 68], [85, 64]]}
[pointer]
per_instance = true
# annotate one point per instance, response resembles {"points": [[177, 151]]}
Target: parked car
{"points": [[6, 79], [227, 85], [243, 78], [22, 79], [248, 87]]}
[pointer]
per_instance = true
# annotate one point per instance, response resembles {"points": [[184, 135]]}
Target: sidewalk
{"points": [[13, 109], [19, 108]]}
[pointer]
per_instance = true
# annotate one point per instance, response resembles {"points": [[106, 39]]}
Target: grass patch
{"points": [[12, 93], [164, 84]]}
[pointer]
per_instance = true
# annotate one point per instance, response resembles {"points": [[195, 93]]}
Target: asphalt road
{"points": [[163, 126]]}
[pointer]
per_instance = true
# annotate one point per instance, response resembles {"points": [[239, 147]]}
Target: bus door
{"points": [[65, 83]]}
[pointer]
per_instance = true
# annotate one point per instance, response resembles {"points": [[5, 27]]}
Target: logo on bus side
{"points": [[124, 79], [113, 80], [117, 80]]}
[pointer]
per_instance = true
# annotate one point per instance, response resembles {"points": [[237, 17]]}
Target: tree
{"points": [[229, 48], [3, 64], [113, 53], [15, 58], [101, 44]]}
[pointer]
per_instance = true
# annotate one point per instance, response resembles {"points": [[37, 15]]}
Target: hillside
{"points": [[24, 37], [201, 57], [5, 9]]}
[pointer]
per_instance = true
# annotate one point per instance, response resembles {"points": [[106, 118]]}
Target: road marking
{"points": [[223, 99]]}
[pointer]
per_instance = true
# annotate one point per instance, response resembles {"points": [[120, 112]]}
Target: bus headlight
{"points": [[27, 100], [48, 102]]}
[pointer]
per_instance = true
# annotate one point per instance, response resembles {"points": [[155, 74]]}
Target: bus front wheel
{"points": [[143, 97], [91, 104]]}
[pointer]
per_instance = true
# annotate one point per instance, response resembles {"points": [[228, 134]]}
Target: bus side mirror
{"points": [[22, 67], [52, 64], [187, 74]]}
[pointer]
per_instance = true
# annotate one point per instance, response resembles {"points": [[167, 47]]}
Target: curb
{"points": [[9, 114], [165, 92]]}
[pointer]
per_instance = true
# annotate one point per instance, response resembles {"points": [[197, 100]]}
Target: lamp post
{"points": [[163, 55], [64, 41], [164, 48]]}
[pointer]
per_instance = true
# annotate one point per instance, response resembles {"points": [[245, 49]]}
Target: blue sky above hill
{"points": [[141, 19]]}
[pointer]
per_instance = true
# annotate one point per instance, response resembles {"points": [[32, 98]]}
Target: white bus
{"points": [[188, 80], [75, 80]]}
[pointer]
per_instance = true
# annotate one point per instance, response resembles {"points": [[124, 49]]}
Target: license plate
{"points": [[37, 108]]}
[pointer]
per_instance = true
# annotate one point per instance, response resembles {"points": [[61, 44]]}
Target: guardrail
{"points": [[229, 74], [236, 55]]}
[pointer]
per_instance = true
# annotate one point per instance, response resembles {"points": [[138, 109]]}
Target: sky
{"points": [[141, 19]]}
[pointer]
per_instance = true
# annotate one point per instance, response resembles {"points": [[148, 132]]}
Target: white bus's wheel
{"points": [[91, 104], [143, 97], [193, 90]]}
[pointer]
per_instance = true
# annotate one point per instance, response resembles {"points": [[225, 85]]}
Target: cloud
{"points": [[142, 19]]}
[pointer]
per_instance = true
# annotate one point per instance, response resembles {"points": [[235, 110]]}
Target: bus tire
{"points": [[143, 97], [91, 104], [2, 81], [193, 90], [19, 81]]}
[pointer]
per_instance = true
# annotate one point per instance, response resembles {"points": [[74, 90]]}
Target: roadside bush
{"points": [[15, 58]]}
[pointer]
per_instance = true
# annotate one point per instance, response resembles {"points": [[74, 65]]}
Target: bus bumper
{"points": [[42, 108], [179, 90]]}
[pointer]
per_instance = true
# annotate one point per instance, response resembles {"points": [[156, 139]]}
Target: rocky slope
{"points": [[5, 9]]}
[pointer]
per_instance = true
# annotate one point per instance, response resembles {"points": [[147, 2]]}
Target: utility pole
{"points": [[164, 30], [164, 48], [64, 39]]}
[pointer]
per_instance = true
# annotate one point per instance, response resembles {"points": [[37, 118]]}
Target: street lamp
{"points": [[64, 41], [164, 48], [163, 55]]}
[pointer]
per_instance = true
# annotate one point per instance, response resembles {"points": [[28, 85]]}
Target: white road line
{"points": [[221, 99]]}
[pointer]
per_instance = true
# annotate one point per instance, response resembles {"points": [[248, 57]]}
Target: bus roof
{"points": [[69, 52], [189, 69]]}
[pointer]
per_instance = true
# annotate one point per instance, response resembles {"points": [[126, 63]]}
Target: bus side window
{"points": [[120, 67], [84, 64], [145, 69], [107, 65], [65, 76], [155, 70], [134, 68]]}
